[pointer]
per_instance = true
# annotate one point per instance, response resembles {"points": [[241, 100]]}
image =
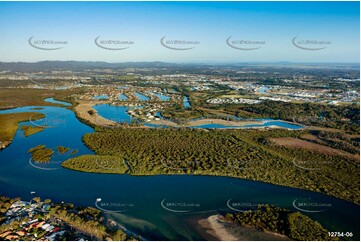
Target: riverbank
{"points": [[215, 227]]}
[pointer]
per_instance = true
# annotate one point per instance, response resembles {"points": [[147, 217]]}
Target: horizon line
{"points": [[190, 62]]}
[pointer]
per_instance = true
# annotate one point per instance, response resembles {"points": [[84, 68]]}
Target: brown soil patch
{"points": [[298, 143], [310, 137]]}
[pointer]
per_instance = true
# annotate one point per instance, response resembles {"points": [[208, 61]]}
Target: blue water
{"points": [[186, 102], [161, 96], [123, 97], [155, 125], [52, 100], [101, 97], [146, 216], [141, 97], [263, 89], [115, 113], [278, 123], [213, 126]]}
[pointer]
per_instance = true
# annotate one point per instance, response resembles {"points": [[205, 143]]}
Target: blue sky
{"points": [[209, 23]]}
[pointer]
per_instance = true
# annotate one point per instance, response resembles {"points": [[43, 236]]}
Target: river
{"points": [[155, 207]]}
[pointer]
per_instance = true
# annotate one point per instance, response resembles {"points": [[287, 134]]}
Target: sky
{"points": [[280, 31]]}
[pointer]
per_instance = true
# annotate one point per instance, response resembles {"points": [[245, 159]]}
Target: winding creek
{"points": [[156, 207]]}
